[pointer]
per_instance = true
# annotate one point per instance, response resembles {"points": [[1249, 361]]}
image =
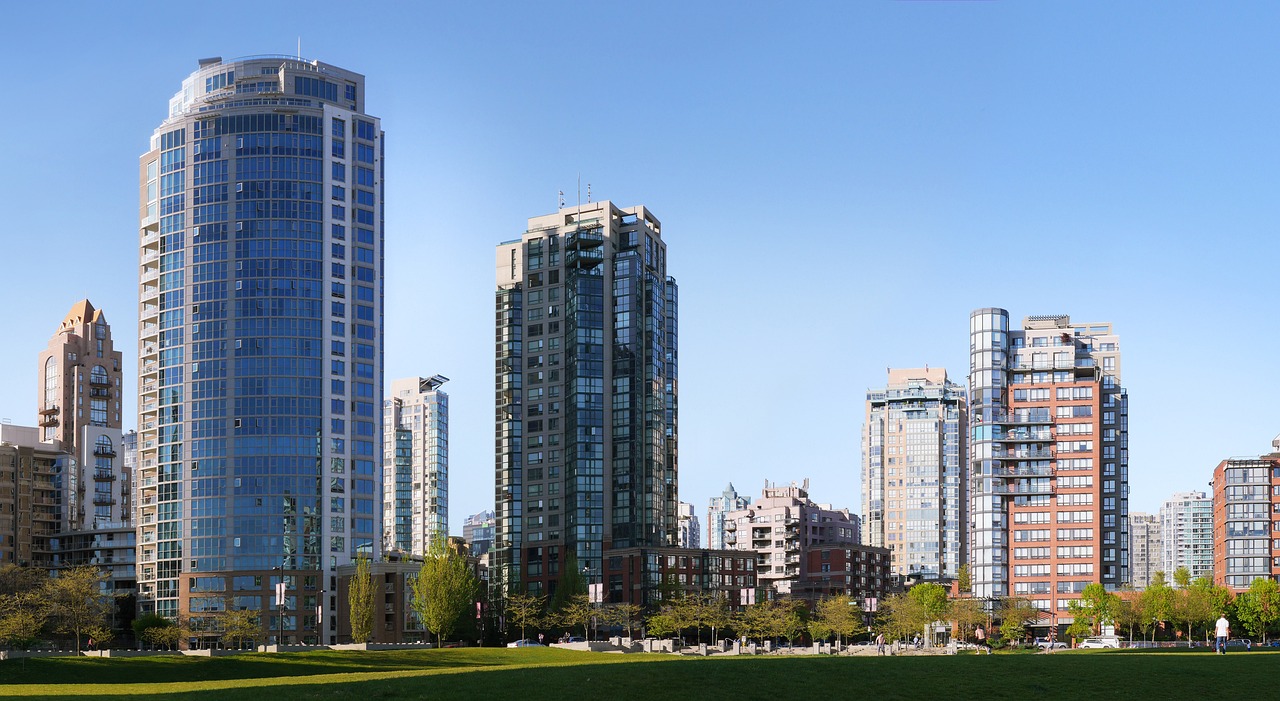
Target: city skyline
{"points": [[1145, 151]]}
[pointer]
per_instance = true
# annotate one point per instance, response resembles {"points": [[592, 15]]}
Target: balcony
{"points": [[1039, 487], [1022, 472], [584, 239], [99, 381], [104, 475], [48, 420], [584, 258], [1023, 454], [104, 452], [49, 410], [103, 500]]}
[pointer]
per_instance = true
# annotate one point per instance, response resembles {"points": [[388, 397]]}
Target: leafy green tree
{"points": [[166, 636], [146, 621], [716, 615], [239, 625], [360, 600], [444, 590], [572, 582], [524, 610], [901, 616], [1259, 608], [77, 603], [837, 615], [964, 580], [577, 611], [754, 621], [967, 614], [22, 617], [1182, 577], [1099, 605], [1129, 611], [1015, 613], [16, 579], [933, 601], [1158, 600], [623, 615], [1197, 605]]}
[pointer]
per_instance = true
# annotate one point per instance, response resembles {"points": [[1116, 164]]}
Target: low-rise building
{"points": [[858, 571], [646, 576]]}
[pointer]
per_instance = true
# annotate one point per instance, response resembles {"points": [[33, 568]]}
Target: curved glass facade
{"points": [[988, 406], [261, 343]]}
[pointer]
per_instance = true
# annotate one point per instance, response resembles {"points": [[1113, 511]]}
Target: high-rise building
{"points": [[586, 394], [415, 465], [1186, 532], [690, 535], [914, 490], [1145, 549], [1048, 444], [260, 368], [782, 527], [1246, 492], [729, 500], [33, 497], [477, 531], [79, 408]]}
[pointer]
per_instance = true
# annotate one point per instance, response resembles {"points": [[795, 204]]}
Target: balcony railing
{"points": [[104, 475]]}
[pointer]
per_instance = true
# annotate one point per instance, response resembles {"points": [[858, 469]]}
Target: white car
{"points": [[1055, 645], [1097, 643]]}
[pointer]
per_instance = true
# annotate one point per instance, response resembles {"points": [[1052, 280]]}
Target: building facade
{"points": [[32, 495], [914, 477], [1146, 547], [260, 339], [586, 398], [80, 380], [690, 535], [477, 531], [729, 500], [858, 571], [647, 576], [1186, 531], [1246, 493], [1048, 459], [415, 465], [782, 527]]}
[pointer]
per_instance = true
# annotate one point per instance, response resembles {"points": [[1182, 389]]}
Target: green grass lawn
{"points": [[540, 673]]}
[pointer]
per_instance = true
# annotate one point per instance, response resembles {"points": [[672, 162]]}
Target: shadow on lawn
{"points": [[95, 670]]}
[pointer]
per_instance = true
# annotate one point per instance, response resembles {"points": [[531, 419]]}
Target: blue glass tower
{"points": [[260, 368]]}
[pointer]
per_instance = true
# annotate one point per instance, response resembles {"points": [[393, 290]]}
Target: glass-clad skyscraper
{"points": [[260, 368], [415, 465], [586, 401]]}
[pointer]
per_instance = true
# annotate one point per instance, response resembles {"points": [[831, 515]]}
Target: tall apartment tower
{"points": [[80, 381], [729, 500], [1048, 422], [1145, 549], [260, 341], [1246, 493], [415, 465], [1186, 528], [586, 393], [690, 535], [914, 490]]}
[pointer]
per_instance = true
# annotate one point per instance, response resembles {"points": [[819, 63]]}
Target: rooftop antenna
{"points": [[588, 193], [299, 47], [562, 199]]}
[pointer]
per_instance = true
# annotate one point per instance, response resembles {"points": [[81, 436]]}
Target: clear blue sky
{"points": [[839, 186]]}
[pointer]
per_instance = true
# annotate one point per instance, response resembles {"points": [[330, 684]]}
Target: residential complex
{"points": [[586, 398], [80, 386], [415, 465], [477, 531], [782, 528], [1048, 421], [32, 495], [1146, 548], [914, 491], [1246, 492], [1186, 527], [728, 501], [645, 576], [260, 342], [690, 533]]}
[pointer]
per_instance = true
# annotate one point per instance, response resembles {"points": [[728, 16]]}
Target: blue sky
{"points": [[839, 185]]}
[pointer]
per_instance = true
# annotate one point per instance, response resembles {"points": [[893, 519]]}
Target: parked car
{"points": [[1051, 645], [1100, 642], [576, 639], [1240, 644], [526, 643]]}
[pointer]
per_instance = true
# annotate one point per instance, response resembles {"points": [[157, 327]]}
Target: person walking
{"points": [[880, 644], [981, 635], [1223, 631]]}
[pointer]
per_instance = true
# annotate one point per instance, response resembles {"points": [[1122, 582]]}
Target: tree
{"points": [[1197, 605], [901, 616], [571, 584], [624, 615], [77, 603], [22, 617], [964, 580], [444, 590], [16, 579], [524, 610], [1129, 611], [239, 625], [1157, 601], [168, 636], [146, 621], [754, 620], [967, 614], [1015, 613], [836, 615], [1182, 577], [715, 613], [1099, 605], [578, 610], [1259, 607], [932, 599], [360, 599]]}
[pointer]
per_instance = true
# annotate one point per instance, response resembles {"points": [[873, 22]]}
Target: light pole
{"points": [[591, 600]]}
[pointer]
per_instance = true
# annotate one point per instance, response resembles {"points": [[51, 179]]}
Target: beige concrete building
{"points": [[31, 497], [78, 404], [782, 527], [1145, 545], [914, 481]]}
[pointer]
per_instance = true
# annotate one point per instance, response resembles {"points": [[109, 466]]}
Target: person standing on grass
{"points": [[880, 644], [1223, 632]]}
